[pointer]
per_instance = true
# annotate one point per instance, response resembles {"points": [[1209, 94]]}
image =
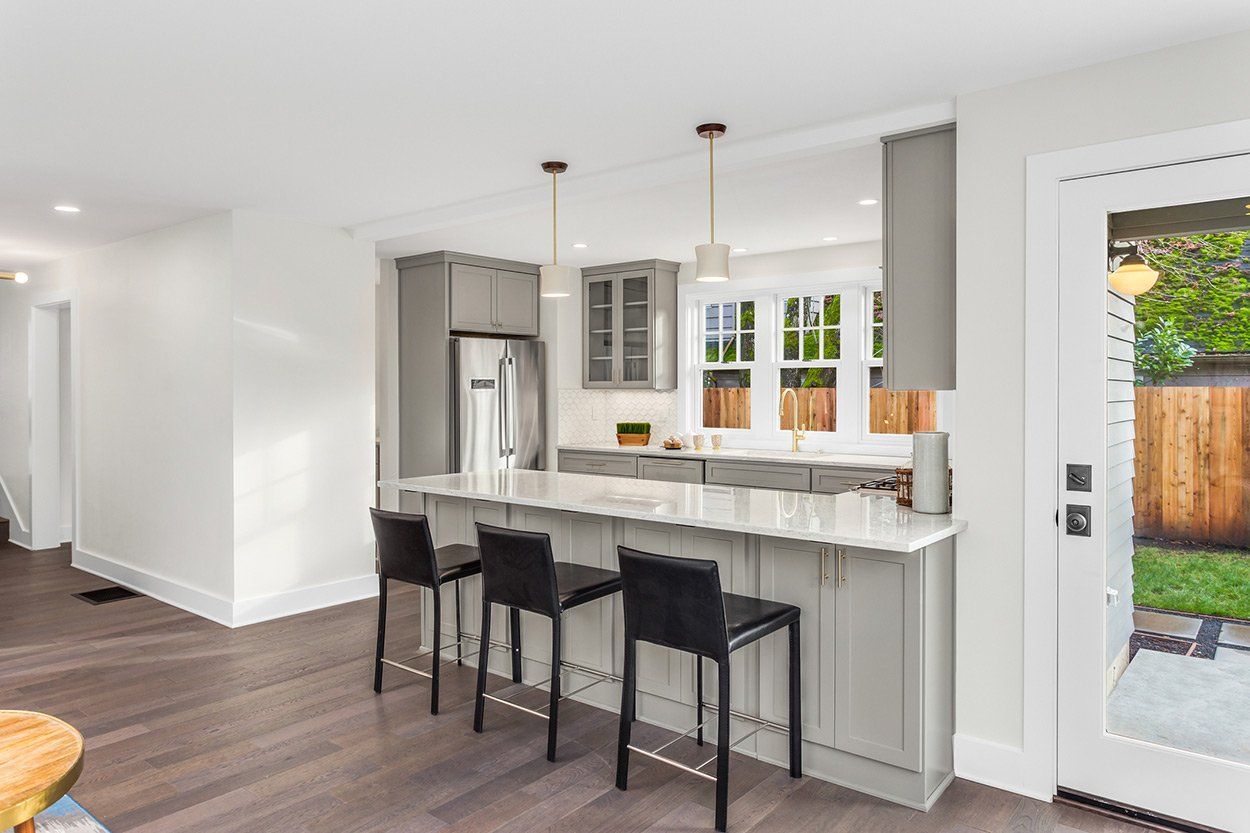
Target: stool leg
{"points": [[698, 679], [459, 637], [438, 641], [483, 651], [722, 746], [796, 707], [514, 630], [552, 713], [628, 693], [377, 656]]}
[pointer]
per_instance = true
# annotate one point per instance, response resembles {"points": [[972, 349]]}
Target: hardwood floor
{"points": [[191, 726]]}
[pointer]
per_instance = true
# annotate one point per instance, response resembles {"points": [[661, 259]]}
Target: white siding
{"points": [[1119, 485]]}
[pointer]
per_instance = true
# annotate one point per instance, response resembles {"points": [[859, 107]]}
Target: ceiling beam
{"points": [[745, 153]]}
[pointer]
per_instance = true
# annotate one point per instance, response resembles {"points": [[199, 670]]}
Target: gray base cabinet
{"points": [[877, 633]]}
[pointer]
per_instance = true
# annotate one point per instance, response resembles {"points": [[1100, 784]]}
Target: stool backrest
{"points": [[405, 547], [518, 569], [675, 602]]}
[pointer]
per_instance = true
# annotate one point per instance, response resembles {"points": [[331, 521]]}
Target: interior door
{"points": [[1099, 754]]}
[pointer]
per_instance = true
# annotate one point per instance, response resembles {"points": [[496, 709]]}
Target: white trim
{"points": [[994, 765], [737, 153], [304, 599], [223, 611], [191, 599], [24, 542], [67, 533], [1044, 172]]}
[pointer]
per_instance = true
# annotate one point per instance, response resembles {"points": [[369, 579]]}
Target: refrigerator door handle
{"points": [[512, 405], [503, 407]]}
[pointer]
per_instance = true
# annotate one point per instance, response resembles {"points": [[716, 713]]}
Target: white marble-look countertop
{"points": [[851, 519], [758, 455]]}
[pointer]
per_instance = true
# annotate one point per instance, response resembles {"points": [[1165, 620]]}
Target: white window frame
{"points": [[768, 294]]}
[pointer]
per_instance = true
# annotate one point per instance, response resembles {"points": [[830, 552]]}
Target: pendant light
{"points": [[555, 281], [1132, 276], [16, 277], [711, 258]]}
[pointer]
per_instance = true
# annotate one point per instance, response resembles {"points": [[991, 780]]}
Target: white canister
{"points": [[930, 477]]}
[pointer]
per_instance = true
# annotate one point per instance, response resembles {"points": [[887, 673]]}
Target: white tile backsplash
{"points": [[590, 416]]}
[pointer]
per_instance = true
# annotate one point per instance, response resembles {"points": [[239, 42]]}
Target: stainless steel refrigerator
{"points": [[498, 404]]}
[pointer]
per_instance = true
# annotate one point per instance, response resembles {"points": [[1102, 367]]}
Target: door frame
{"points": [[1038, 771], [53, 303]]}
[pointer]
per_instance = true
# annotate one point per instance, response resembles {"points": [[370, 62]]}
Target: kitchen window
{"points": [[823, 339]]}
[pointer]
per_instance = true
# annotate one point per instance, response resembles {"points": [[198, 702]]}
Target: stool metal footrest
{"points": [[602, 677], [760, 725], [403, 666]]}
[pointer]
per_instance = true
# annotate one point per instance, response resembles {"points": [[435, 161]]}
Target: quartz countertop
{"points": [[758, 455], [851, 518]]}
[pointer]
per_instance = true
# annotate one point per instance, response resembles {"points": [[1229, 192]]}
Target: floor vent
{"points": [[107, 594]]}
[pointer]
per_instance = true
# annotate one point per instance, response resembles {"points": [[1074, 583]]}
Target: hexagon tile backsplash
{"points": [[590, 416]]}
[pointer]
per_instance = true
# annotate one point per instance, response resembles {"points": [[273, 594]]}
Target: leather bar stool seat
{"points": [[748, 618]]}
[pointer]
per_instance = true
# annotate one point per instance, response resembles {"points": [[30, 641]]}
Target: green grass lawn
{"points": [[1194, 581]]}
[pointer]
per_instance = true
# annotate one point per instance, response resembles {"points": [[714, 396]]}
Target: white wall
{"points": [[154, 394], [302, 331], [1167, 90]]}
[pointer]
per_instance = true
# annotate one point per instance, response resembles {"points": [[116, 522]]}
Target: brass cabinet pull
{"points": [[841, 567], [824, 565]]}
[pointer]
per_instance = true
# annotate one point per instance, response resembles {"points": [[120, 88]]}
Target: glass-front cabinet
{"points": [[630, 322]]}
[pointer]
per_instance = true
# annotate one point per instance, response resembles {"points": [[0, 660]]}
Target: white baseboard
{"points": [[20, 537], [190, 599], [304, 599], [67, 534], [223, 611], [995, 765]]}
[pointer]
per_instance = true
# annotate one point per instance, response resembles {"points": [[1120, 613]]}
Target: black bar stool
{"points": [[520, 571], [678, 603], [407, 553]]}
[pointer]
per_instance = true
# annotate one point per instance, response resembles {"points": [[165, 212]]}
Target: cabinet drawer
{"points": [[576, 462], [835, 481], [759, 475], [676, 471]]}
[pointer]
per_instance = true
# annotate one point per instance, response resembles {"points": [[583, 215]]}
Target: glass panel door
{"points": [[636, 328], [601, 307]]}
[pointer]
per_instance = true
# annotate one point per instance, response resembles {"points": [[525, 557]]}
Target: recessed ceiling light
{"points": [[580, 245], [67, 209], [828, 239], [739, 250], [868, 202]]}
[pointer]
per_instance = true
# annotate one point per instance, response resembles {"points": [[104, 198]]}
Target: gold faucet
{"points": [[796, 433]]}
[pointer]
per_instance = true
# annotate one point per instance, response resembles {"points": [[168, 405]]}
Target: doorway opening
{"points": [[53, 449]]}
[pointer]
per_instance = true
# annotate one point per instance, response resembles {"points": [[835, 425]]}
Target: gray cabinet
{"points": [[585, 462], [877, 656], [918, 259], [674, 471], [835, 481], [759, 475], [496, 301], [629, 321]]}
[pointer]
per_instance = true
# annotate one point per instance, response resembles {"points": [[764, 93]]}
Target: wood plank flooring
{"points": [[191, 726]]}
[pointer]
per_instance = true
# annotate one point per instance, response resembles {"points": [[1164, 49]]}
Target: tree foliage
{"points": [[1203, 289], [1161, 353]]}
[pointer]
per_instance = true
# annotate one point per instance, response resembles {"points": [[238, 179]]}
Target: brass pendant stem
{"points": [[711, 190], [554, 248]]}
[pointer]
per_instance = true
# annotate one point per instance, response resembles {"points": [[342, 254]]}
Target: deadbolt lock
{"points": [[1078, 520]]}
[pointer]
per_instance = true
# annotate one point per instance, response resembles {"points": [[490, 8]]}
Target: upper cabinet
{"points": [[480, 294], [918, 259], [629, 320]]}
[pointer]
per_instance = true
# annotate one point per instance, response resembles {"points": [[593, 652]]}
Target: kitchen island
{"points": [[874, 582]]}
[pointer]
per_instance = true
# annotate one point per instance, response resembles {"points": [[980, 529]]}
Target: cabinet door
{"points": [[877, 647], [588, 629], [674, 471], [516, 303], [659, 669], [599, 351], [535, 629], [799, 573], [472, 299], [635, 289], [758, 475]]}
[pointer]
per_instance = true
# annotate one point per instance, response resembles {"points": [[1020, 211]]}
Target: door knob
{"points": [[1078, 520]]}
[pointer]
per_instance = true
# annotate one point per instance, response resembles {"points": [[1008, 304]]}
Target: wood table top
{"points": [[42, 759]]}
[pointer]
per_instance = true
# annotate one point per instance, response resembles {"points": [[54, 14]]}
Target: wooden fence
{"points": [[890, 412], [1192, 461]]}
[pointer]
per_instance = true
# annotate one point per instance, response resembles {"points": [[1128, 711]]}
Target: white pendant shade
{"points": [[1133, 277], [711, 262], [555, 281]]}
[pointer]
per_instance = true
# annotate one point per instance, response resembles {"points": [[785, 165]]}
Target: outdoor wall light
{"points": [[1130, 275]]}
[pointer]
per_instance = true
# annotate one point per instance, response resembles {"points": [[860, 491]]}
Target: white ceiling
{"points": [[772, 207], [149, 112]]}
